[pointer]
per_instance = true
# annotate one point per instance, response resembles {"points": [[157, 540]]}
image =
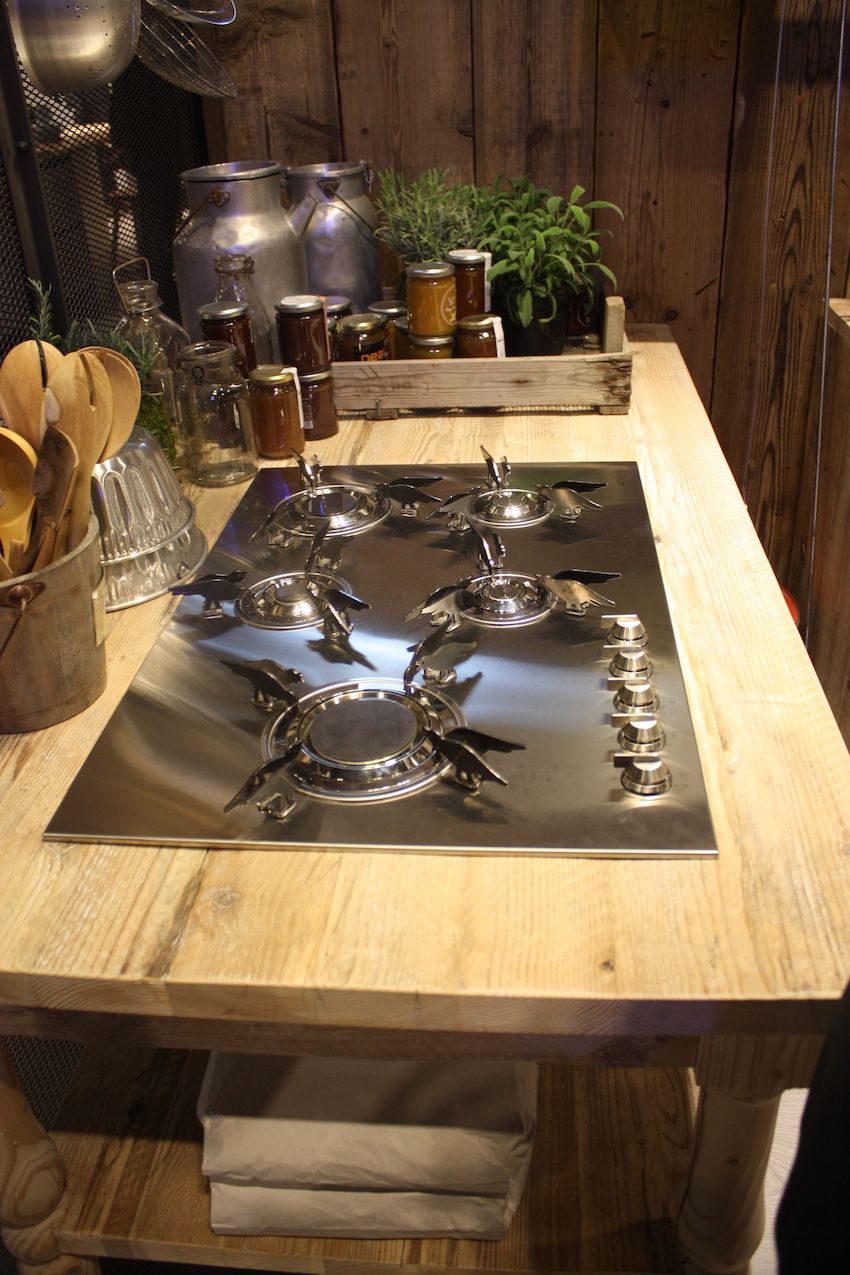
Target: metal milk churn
{"points": [[236, 207], [340, 219]]}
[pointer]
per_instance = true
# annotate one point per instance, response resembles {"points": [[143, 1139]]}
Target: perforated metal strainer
{"points": [[67, 46]]}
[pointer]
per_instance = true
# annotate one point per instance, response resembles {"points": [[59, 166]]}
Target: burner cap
{"points": [[510, 507], [362, 731], [506, 599], [348, 507], [284, 602]]}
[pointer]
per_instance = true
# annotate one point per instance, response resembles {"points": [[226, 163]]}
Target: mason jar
{"points": [[431, 298], [215, 423], [276, 410], [475, 337], [431, 347], [230, 321], [361, 338], [470, 268], [302, 331]]}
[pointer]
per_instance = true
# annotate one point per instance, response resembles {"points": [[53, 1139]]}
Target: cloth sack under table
{"points": [[365, 1124]]}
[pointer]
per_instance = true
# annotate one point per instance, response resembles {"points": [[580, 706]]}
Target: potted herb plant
{"points": [[422, 218], [546, 263]]}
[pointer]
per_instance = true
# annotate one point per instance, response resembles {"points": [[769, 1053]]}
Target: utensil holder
{"points": [[52, 652]]}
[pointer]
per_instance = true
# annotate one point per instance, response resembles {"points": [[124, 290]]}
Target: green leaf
{"points": [[524, 307], [553, 205], [499, 268], [609, 274], [576, 194]]}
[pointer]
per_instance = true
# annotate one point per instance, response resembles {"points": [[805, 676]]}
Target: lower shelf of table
{"points": [[610, 1161]]}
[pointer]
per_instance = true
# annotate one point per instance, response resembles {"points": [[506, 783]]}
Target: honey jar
{"points": [[390, 310], [431, 347], [470, 267], [303, 334], [431, 298], [400, 343], [230, 321], [276, 412], [361, 338], [317, 399], [475, 337]]}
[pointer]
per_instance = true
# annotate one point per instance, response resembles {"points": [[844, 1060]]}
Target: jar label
{"points": [[448, 307], [372, 358], [499, 333]]}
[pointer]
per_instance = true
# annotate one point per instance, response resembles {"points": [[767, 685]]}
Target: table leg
{"points": [[741, 1081]]}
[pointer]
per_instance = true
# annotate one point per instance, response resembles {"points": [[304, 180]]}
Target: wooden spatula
{"points": [[17, 463], [23, 374], [126, 396], [52, 486], [78, 399]]}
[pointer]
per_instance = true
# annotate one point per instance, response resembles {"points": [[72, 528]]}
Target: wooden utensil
{"points": [[17, 465], [52, 487], [126, 396], [5, 569], [23, 377], [78, 399]]}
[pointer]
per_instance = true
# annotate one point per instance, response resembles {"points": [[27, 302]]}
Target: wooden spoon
{"points": [[52, 485], [22, 382], [78, 399], [17, 465], [126, 396]]}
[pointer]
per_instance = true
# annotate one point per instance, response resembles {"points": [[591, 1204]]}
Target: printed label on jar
{"points": [[378, 354], [294, 371], [448, 307], [488, 262], [499, 333]]}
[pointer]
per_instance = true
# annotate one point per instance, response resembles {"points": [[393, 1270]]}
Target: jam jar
{"points": [[230, 321], [470, 267], [317, 398], [336, 308], [361, 338], [400, 342], [431, 298], [303, 334], [275, 399], [431, 347], [215, 421], [476, 337], [390, 310]]}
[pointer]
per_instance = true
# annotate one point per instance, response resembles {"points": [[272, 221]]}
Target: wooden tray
{"points": [[596, 374]]}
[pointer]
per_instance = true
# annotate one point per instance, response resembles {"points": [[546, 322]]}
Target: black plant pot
{"points": [[576, 315]]}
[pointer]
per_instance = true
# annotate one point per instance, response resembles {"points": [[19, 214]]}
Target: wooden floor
{"points": [[609, 1167]]}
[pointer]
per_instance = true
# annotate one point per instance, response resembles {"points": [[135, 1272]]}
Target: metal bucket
{"points": [[339, 240]]}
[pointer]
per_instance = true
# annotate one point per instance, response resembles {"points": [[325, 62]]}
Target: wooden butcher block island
{"points": [[642, 985]]}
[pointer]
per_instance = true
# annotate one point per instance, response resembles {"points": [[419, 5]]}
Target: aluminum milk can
{"points": [[236, 207], [332, 202]]}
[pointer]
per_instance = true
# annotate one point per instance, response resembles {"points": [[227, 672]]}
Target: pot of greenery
{"points": [[421, 219], [547, 274]]}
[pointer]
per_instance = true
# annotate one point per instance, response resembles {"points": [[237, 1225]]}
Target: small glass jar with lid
{"points": [[475, 337], [302, 331], [215, 421], [336, 308], [400, 341], [361, 338], [234, 271], [431, 347], [390, 310], [317, 398], [276, 413], [230, 321], [470, 268], [431, 298]]}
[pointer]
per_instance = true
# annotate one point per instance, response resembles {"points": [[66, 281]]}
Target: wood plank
{"points": [[405, 84], [768, 353], [610, 1160], [281, 58], [666, 75], [534, 91]]}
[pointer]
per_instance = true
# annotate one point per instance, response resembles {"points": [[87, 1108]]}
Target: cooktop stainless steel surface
{"points": [[457, 659]]}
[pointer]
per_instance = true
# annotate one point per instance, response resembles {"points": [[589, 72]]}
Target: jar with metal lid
{"points": [[431, 298], [234, 271], [302, 331], [230, 321], [401, 337], [361, 338], [390, 310], [470, 270], [317, 397], [276, 413], [215, 420], [475, 337], [431, 347]]}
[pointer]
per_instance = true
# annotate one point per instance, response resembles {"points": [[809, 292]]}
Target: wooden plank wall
{"points": [[712, 125]]}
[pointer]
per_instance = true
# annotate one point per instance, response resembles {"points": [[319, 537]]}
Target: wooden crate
{"points": [[597, 374]]}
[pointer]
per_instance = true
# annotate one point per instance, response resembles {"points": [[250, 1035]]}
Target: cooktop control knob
{"points": [[642, 735], [646, 777], [631, 662], [628, 628], [637, 697]]}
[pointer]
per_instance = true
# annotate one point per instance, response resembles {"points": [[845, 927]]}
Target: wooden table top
{"points": [[757, 940]]}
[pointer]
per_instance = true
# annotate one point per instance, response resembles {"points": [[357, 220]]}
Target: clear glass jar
{"points": [[215, 420], [470, 267], [223, 321], [317, 398], [302, 331], [475, 337], [431, 347], [276, 413], [234, 272], [158, 341], [431, 298], [361, 338]]}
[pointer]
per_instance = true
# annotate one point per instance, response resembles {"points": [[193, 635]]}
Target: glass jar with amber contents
{"points": [[230, 321], [336, 308], [475, 337], [390, 310], [431, 347], [400, 343], [275, 401], [361, 338], [317, 398], [470, 265], [431, 298], [303, 334]]}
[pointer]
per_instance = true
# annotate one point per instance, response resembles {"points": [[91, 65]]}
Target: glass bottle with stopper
{"points": [[235, 285]]}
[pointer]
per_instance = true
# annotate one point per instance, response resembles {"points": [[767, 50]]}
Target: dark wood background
{"points": [[712, 124]]}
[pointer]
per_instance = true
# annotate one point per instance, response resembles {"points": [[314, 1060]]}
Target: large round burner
{"points": [[510, 507], [348, 508], [505, 599], [365, 740], [284, 601]]}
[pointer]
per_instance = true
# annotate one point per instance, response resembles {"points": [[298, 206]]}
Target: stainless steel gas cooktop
{"points": [[465, 659]]}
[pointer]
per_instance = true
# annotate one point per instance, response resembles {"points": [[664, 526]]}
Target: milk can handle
{"points": [[329, 186], [218, 198]]}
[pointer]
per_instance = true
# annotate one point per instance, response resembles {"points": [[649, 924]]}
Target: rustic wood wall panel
{"points": [[535, 90], [665, 104], [772, 298], [281, 56], [405, 84]]}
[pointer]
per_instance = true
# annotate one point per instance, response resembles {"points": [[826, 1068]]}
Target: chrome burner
{"points": [[368, 740], [505, 599], [510, 507], [346, 509], [284, 601]]}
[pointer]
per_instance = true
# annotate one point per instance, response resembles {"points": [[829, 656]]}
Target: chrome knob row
{"points": [[636, 702]]}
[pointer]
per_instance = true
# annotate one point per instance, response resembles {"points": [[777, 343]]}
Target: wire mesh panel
{"points": [[14, 298]]}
